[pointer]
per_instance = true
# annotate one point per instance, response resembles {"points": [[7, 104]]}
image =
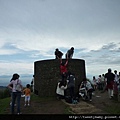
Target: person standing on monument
{"points": [[58, 54], [69, 53]]}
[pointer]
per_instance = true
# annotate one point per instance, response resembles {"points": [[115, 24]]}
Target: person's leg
{"points": [[13, 102], [63, 77], [28, 100], [73, 95], [25, 100], [90, 94], [18, 101], [109, 93], [71, 92], [10, 98]]}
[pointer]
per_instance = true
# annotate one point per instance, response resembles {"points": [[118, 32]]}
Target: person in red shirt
{"points": [[63, 69]]}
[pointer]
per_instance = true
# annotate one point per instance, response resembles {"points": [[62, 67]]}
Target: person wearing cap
{"points": [[109, 76], [69, 53], [58, 54]]}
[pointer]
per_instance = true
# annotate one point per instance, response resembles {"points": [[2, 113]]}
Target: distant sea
{"points": [[5, 80]]}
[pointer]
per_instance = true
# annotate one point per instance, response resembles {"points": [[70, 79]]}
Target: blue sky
{"points": [[31, 30]]}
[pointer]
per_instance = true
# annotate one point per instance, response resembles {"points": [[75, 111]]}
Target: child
{"points": [[27, 93]]}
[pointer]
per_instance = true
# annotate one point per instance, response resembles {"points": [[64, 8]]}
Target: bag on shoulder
{"points": [[18, 87]]}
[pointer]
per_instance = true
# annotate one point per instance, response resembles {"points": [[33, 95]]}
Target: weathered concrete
{"points": [[47, 74]]}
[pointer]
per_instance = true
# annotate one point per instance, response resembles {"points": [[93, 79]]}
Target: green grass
{"points": [[113, 108], [4, 103]]}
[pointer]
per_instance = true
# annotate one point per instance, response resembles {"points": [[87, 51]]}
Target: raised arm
{"points": [[66, 62], [60, 60]]}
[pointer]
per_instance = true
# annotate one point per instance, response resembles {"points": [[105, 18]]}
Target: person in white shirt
{"points": [[103, 82], [16, 94], [61, 86], [116, 83], [89, 89], [94, 81], [116, 79]]}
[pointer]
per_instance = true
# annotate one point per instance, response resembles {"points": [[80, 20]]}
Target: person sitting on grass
{"points": [[27, 93]]}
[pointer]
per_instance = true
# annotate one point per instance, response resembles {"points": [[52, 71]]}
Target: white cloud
{"points": [[9, 68], [33, 29]]}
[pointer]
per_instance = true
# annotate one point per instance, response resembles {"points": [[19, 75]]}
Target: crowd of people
{"points": [[66, 85], [16, 88], [69, 54], [109, 81]]}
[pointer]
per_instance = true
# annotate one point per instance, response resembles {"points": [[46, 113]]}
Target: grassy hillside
{"points": [[39, 105], [50, 105], [4, 103]]}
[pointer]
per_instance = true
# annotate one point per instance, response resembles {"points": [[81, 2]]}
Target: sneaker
{"points": [[10, 103], [28, 104], [90, 100], [19, 113], [25, 105]]}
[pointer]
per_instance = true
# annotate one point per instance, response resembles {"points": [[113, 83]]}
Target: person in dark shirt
{"points": [[71, 84], [69, 53], [109, 76], [58, 54]]}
